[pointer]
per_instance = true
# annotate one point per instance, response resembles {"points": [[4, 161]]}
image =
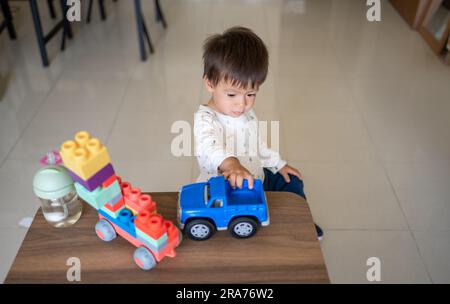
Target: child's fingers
{"points": [[232, 180], [239, 181], [286, 177], [299, 174], [296, 173], [250, 181]]}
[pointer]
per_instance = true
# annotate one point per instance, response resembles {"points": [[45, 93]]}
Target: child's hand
{"points": [[286, 170], [235, 173]]}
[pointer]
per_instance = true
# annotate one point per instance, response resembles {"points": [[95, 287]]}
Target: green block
{"points": [[157, 243], [100, 196]]}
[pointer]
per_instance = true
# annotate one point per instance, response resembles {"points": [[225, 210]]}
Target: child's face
{"points": [[231, 100]]}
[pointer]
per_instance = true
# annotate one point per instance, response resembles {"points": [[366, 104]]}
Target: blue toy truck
{"points": [[206, 207]]}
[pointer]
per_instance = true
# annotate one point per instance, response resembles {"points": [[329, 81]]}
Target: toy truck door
{"points": [[217, 209]]}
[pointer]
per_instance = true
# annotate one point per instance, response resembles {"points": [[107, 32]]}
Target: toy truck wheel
{"points": [[105, 231], [144, 258], [200, 230], [243, 227]]}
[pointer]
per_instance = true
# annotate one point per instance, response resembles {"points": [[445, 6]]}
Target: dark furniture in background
{"points": [[64, 25], [7, 20], [412, 11], [142, 28], [42, 38]]}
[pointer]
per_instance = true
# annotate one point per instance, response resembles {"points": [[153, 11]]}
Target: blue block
{"points": [[114, 214], [125, 221]]}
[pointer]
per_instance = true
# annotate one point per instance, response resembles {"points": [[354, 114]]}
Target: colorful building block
{"points": [[152, 246], [172, 230], [151, 224], [99, 196], [85, 156], [109, 181], [125, 221], [113, 214], [102, 178], [136, 201], [116, 204], [134, 241], [156, 242]]}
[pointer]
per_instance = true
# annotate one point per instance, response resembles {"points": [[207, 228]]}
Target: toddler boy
{"points": [[226, 128]]}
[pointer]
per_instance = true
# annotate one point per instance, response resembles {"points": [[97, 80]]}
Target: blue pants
{"points": [[276, 182]]}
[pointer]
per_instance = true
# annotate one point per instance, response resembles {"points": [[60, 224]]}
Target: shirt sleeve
{"points": [[270, 159], [209, 142]]}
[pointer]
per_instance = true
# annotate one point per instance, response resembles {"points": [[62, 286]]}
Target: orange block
{"points": [[126, 187], [116, 206], [109, 181], [137, 201], [172, 231], [150, 224]]}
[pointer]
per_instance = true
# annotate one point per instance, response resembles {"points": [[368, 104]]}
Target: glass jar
{"points": [[62, 212], [55, 189]]}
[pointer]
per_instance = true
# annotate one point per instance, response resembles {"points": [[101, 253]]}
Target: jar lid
{"points": [[52, 182]]}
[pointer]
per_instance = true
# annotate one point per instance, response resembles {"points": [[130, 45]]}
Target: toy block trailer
{"points": [[206, 207]]}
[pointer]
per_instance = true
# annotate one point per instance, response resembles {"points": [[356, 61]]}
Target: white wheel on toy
{"points": [[144, 258], [105, 231]]}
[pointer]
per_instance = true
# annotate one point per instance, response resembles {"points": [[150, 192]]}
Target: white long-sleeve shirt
{"points": [[219, 136]]}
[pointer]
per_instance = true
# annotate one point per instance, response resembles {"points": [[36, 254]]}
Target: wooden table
{"points": [[287, 251]]}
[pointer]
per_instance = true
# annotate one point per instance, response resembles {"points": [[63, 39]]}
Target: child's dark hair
{"points": [[238, 55]]}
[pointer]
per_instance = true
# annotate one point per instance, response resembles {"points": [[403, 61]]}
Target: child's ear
{"points": [[209, 86]]}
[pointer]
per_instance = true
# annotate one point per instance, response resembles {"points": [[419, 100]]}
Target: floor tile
{"points": [[347, 252], [146, 136], [16, 185], [423, 192], [435, 249], [326, 136], [155, 176], [355, 195], [49, 129]]}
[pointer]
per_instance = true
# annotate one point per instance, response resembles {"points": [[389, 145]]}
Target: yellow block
{"points": [[134, 212], [85, 156]]}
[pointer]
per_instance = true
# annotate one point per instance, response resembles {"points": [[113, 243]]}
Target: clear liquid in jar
{"points": [[62, 212]]}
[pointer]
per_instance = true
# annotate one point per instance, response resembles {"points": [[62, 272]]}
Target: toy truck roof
{"points": [[217, 187]]}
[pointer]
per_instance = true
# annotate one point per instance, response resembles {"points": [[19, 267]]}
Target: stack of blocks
{"points": [[89, 165]]}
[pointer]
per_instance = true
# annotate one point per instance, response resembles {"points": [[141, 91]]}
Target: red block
{"points": [[109, 181], [116, 206], [151, 224], [172, 231], [137, 201], [126, 187]]}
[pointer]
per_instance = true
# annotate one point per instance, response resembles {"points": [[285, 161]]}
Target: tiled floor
{"points": [[363, 110]]}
